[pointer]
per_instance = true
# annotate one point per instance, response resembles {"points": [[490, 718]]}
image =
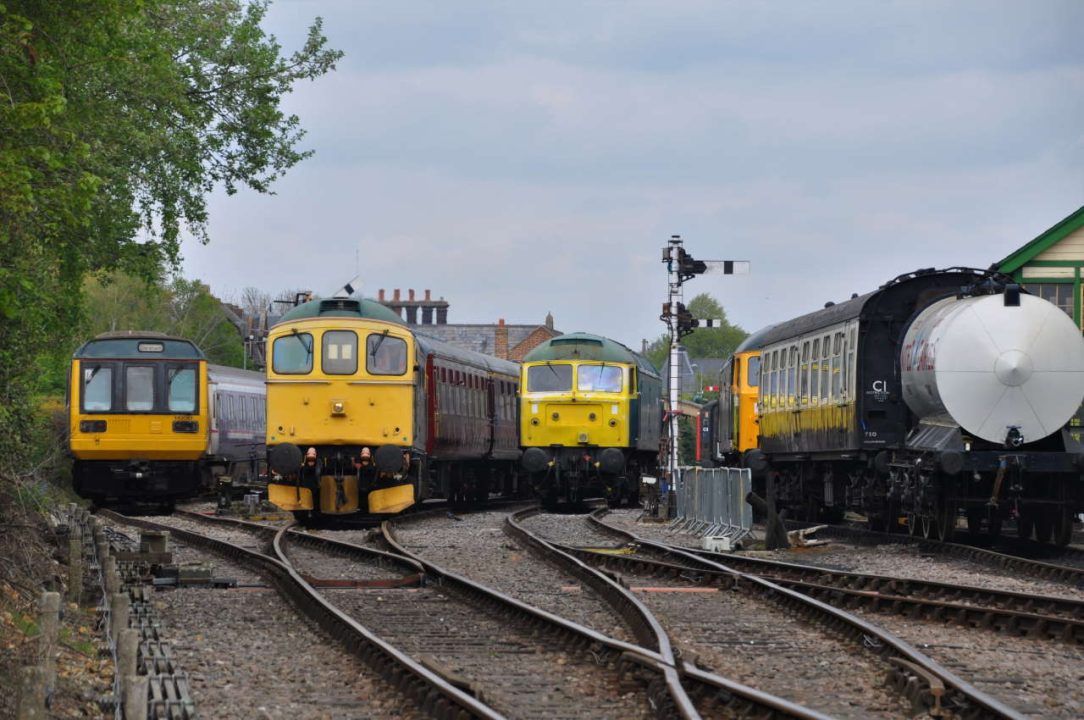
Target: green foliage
{"points": [[705, 342], [181, 308], [117, 119]]}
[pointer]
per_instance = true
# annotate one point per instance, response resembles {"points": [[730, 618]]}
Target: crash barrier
{"points": [[710, 502]]}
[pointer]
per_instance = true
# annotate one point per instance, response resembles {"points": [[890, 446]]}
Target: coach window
{"points": [[292, 354], [385, 355], [599, 378], [804, 374], [182, 389], [815, 372], [826, 374], [97, 388], [139, 388], [549, 378], [339, 352], [773, 378], [792, 376]]}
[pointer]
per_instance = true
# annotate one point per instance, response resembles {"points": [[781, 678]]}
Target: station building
{"points": [[1052, 264]]}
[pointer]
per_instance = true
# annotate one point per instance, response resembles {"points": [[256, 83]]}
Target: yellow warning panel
{"points": [[391, 500], [336, 499], [289, 497]]}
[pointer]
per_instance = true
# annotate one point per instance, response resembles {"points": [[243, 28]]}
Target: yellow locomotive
{"points": [[387, 416], [590, 418], [151, 420]]}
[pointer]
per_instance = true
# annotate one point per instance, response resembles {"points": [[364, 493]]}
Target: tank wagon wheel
{"points": [[912, 524], [945, 516]]}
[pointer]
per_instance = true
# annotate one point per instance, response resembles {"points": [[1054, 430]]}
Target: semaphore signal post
{"points": [[682, 266]]}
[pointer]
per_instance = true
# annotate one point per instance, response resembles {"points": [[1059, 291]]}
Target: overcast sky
{"points": [[522, 158]]}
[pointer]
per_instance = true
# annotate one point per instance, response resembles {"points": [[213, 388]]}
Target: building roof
{"points": [[1045, 241], [481, 338]]}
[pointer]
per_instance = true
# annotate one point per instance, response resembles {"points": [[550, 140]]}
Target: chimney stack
{"points": [[381, 297], [396, 298], [500, 340], [410, 294], [427, 296]]}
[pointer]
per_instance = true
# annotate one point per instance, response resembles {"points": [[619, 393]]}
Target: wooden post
{"points": [[127, 654], [119, 607], [49, 622], [110, 577], [135, 697], [75, 565], [31, 694]]}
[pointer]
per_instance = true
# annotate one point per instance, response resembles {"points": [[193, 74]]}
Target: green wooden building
{"points": [[1051, 265]]}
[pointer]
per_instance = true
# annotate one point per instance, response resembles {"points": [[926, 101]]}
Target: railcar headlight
{"points": [[185, 426], [92, 426]]}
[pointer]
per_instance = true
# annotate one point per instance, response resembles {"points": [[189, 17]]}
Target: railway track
{"points": [[944, 687], [418, 686], [1012, 613], [1069, 574]]}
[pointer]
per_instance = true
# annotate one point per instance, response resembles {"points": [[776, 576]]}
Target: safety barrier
{"points": [[711, 502]]}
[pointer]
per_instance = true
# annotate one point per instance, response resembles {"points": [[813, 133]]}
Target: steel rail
{"points": [[966, 700], [1032, 568], [1005, 620], [429, 690], [739, 699], [576, 636]]}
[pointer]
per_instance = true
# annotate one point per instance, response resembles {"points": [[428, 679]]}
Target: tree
{"points": [[705, 342], [181, 308], [117, 119]]}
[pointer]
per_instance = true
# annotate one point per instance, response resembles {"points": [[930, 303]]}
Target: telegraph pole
{"points": [[681, 267]]}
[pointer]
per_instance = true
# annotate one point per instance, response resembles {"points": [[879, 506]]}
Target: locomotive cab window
{"points": [[339, 352], [752, 373], [97, 388], [139, 388], [599, 378], [292, 354], [182, 389], [549, 378], [385, 355]]}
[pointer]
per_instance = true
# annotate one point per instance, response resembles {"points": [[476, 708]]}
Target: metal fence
{"points": [[711, 502]]}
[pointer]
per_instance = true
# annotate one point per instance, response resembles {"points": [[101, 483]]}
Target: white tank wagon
{"points": [[1007, 369]]}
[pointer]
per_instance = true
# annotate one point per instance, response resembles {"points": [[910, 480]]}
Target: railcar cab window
{"points": [[385, 355], [182, 389], [97, 388], [292, 354], [339, 354], [549, 378], [139, 388], [598, 378]]}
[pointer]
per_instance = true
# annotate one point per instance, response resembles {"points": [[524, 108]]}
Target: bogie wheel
{"points": [[929, 527], [945, 516], [912, 524]]}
